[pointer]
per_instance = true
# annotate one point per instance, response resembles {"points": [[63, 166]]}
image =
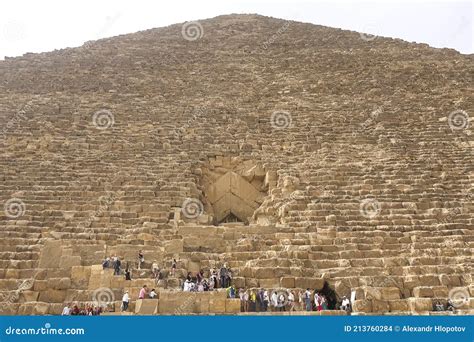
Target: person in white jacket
{"points": [[66, 310], [266, 300], [274, 300], [125, 301]]}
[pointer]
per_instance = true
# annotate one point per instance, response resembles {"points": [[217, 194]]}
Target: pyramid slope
{"points": [[368, 178]]}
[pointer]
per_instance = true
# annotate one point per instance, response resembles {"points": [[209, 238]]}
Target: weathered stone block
{"points": [[232, 305], [423, 291], [287, 282], [146, 306], [312, 283], [362, 305], [380, 306], [398, 305], [52, 296], [390, 293], [420, 304]]}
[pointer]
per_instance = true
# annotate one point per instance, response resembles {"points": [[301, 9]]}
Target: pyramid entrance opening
{"points": [[233, 189]]}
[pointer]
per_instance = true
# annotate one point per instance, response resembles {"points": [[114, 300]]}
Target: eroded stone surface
{"points": [[359, 179]]}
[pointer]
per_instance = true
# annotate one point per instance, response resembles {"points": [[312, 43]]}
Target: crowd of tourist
{"points": [[262, 300], [253, 300], [199, 283], [438, 306], [115, 263], [88, 310]]}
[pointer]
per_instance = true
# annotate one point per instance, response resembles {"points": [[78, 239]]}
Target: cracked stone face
{"points": [[301, 155], [233, 189]]}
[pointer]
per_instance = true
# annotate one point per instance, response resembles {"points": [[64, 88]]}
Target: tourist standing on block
{"points": [[173, 267], [307, 299], [266, 300], [141, 259], [223, 276], [117, 265], [143, 292], [125, 300]]}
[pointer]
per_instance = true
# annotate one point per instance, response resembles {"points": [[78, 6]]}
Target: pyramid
{"points": [[302, 156]]}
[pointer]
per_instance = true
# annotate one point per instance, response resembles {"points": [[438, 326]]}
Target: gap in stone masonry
{"points": [[330, 295], [233, 188]]}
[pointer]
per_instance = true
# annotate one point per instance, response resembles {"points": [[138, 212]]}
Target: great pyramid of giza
{"points": [[301, 156]]}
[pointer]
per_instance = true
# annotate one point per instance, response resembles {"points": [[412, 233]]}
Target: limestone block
{"points": [[55, 308], [264, 272], [287, 282], [423, 291], [398, 305], [429, 280], [251, 283], [449, 280], [77, 295], [312, 283], [59, 283], [420, 304], [380, 305], [232, 305], [173, 246], [146, 306], [69, 261], [40, 308], [80, 276], [50, 255], [28, 296], [193, 266], [238, 282], [11, 309], [372, 293], [52, 296], [341, 288], [26, 309], [167, 306], [12, 273], [202, 304], [118, 282], [362, 305], [269, 283], [40, 285], [217, 305], [440, 291], [390, 293], [332, 313]]}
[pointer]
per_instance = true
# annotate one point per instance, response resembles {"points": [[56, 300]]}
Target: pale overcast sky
{"points": [[37, 26]]}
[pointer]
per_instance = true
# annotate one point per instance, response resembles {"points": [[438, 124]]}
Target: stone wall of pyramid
{"points": [[344, 160]]}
